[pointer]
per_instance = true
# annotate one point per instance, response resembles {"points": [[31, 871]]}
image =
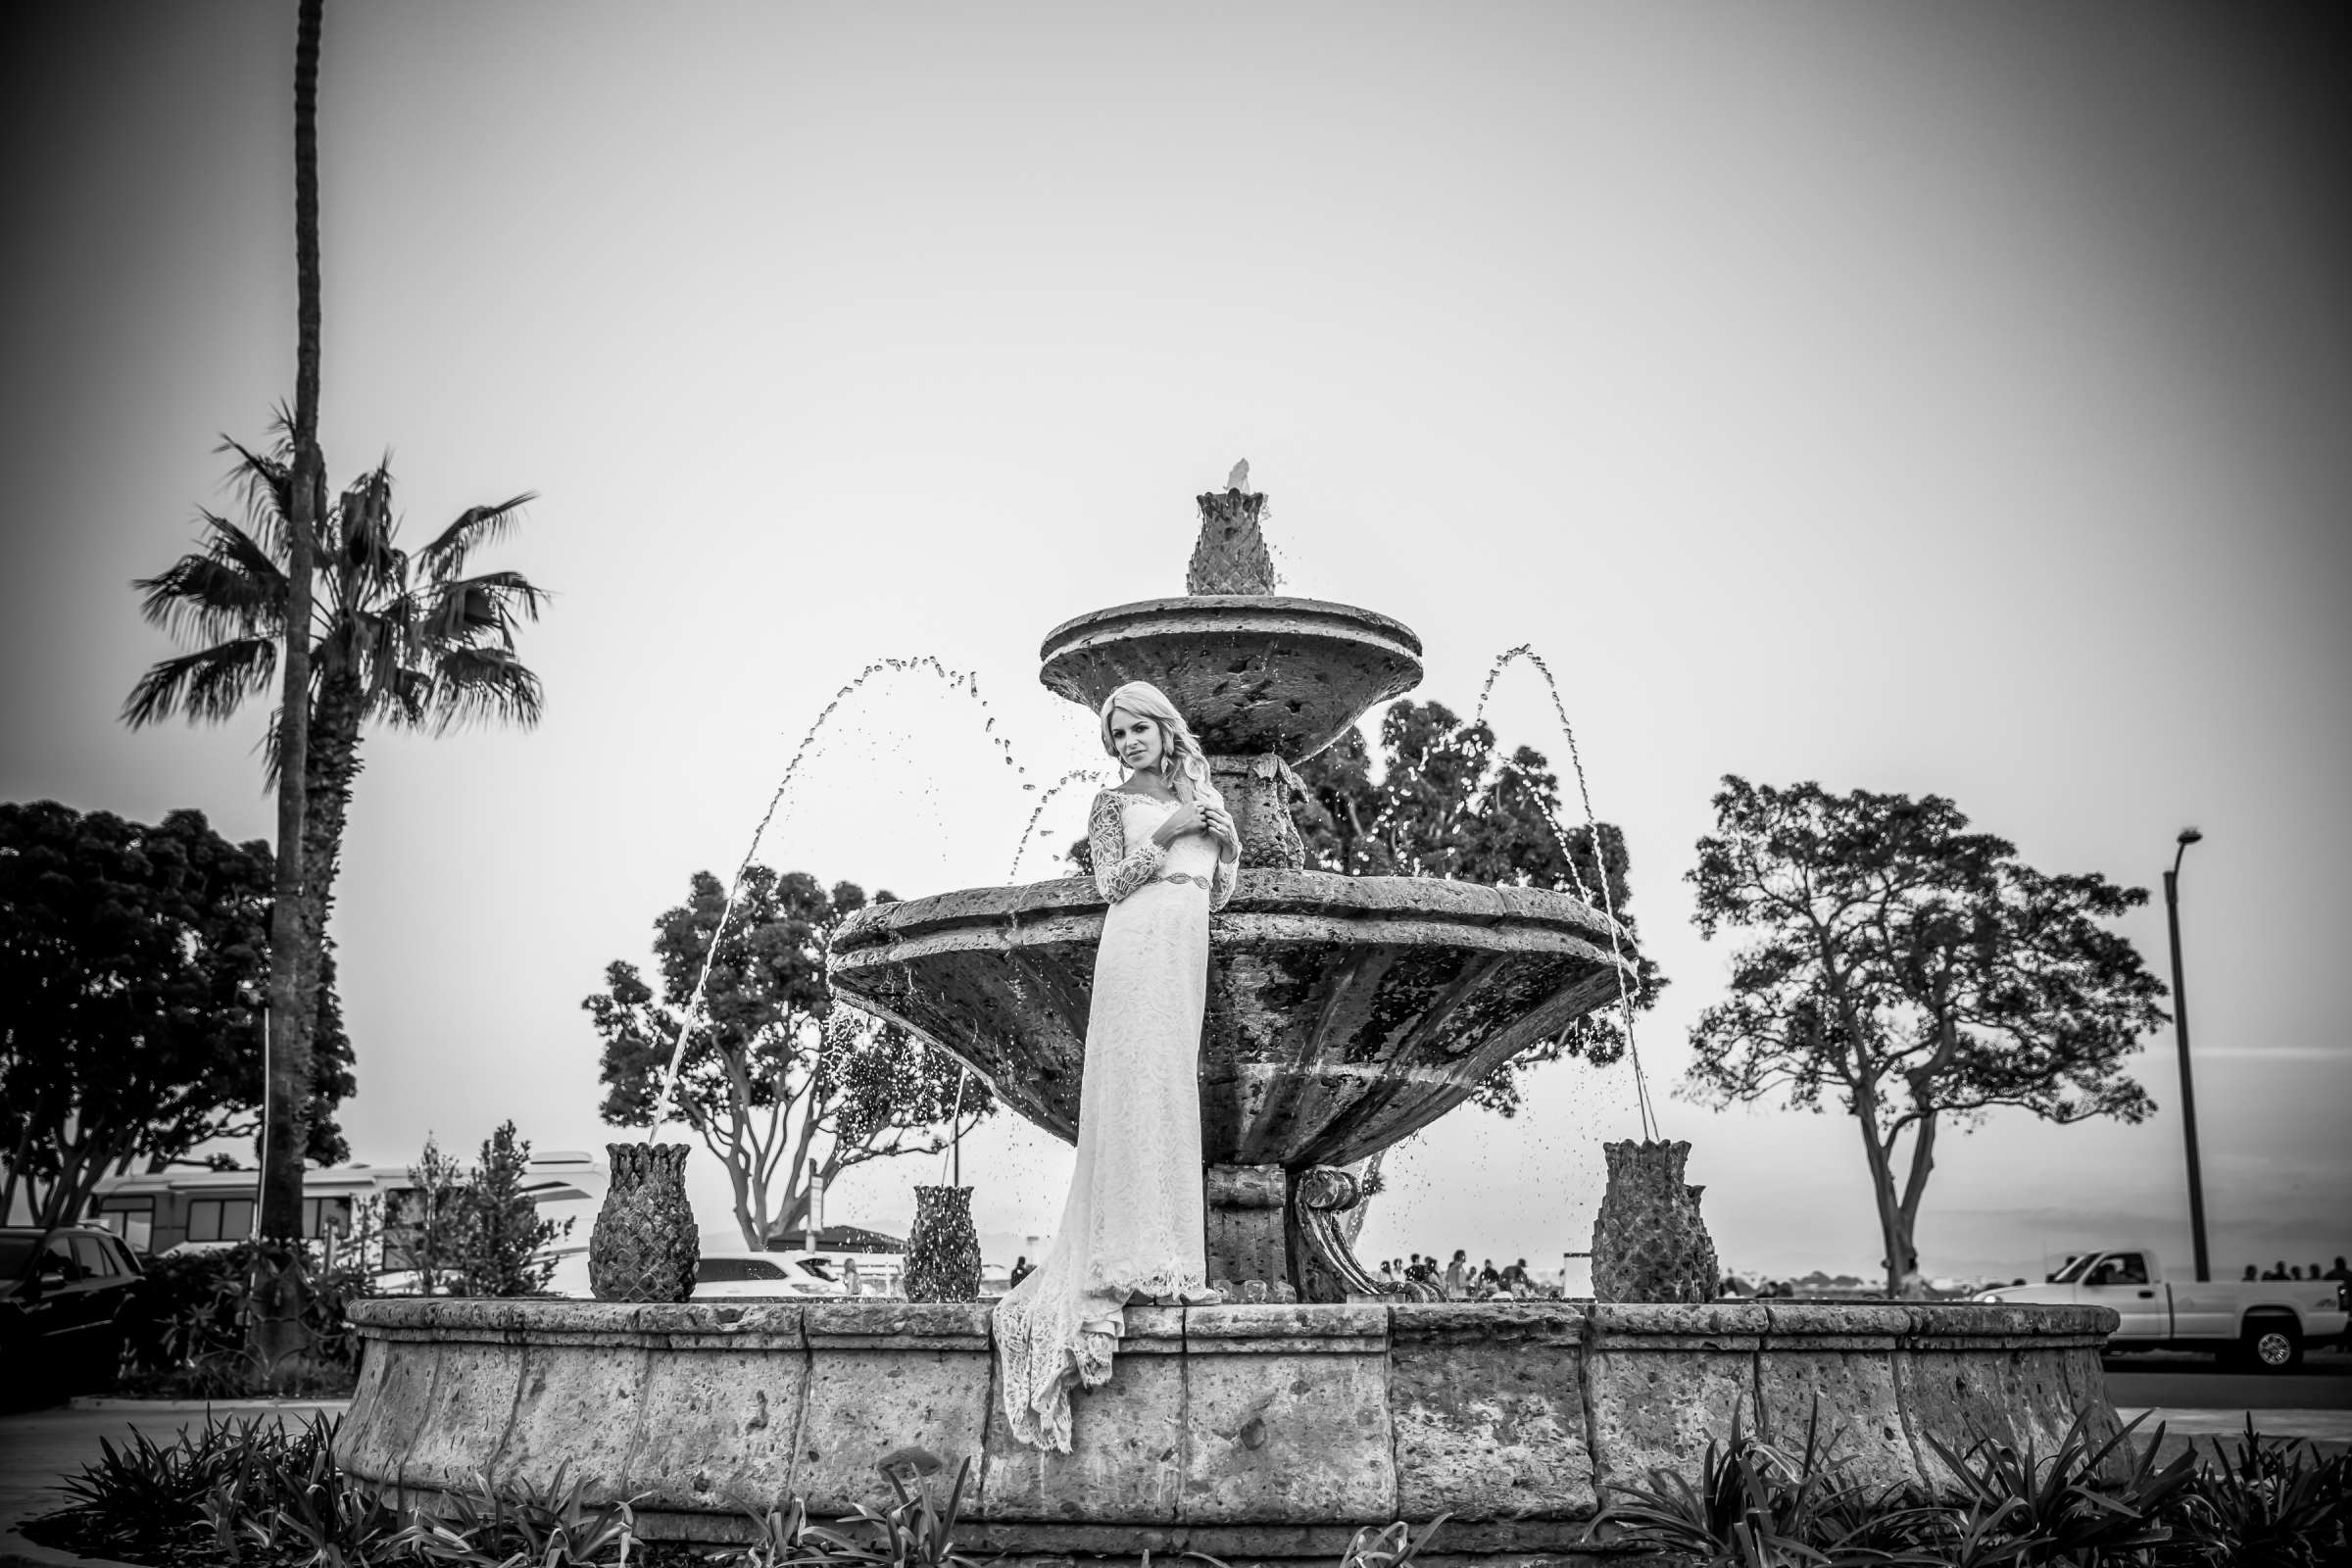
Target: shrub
{"points": [[184, 1327]]}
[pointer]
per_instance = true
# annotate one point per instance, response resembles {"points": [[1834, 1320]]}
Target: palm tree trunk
{"points": [[279, 1286], [331, 766]]}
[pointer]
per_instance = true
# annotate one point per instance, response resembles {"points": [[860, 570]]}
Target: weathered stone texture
{"points": [[1285, 1412], [466, 1421], [1487, 1405], [885, 1376], [1838, 1360], [721, 1425], [578, 1412]]}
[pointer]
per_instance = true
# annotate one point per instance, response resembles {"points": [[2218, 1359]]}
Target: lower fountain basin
{"points": [[1344, 1012], [1268, 1430]]}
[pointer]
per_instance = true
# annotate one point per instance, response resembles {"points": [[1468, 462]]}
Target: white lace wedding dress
{"points": [[1131, 1225]]}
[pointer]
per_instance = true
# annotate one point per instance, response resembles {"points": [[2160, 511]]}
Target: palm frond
{"points": [[212, 596], [475, 526], [207, 686], [482, 685], [465, 605], [243, 550], [266, 480]]}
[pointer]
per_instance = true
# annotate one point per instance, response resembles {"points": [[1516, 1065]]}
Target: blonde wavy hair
{"points": [[1182, 762]]}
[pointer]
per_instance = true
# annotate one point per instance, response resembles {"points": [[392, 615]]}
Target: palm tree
{"points": [[417, 642]]}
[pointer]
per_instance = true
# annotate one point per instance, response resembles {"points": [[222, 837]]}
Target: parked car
{"points": [[60, 1308], [2266, 1323], [723, 1272]]}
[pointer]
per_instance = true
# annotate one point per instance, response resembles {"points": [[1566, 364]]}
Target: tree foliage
{"points": [[775, 1072], [504, 1245], [133, 970], [1915, 974], [424, 1228], [1447, 804], [473, 1232]]}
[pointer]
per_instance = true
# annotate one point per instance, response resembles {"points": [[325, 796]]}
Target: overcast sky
{"points": [[1915, 398]]}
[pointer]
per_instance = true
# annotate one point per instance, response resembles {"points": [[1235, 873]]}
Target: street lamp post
{"points": [[2189, 1091]]}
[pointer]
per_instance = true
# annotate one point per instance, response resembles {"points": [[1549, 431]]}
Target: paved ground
{"points": [[2199, 1383]]}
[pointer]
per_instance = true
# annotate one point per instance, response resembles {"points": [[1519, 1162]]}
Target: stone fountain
{"points": [[1344, 1014]]}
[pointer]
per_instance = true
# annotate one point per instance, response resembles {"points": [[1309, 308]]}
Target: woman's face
{"points": [[1138, 739]]}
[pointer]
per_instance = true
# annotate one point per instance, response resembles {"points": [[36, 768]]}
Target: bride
{"points": [[1131, 1228]]}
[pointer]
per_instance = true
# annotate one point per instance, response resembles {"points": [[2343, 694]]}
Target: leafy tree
{"points": [[133, 964], [1914, 972], [775, 1074], [503, 1241], [424, 1231], [1448, 805]]}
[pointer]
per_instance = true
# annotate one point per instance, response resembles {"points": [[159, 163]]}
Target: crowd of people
{"points": [[2281, 1270], [1460, 1280]]}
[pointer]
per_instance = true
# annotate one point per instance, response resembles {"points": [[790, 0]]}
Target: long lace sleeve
{"points": [[1221, 880], [1118, 873]]}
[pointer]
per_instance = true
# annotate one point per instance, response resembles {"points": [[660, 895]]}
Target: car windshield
{"points": [[2074, 1268], [821, 1267]]}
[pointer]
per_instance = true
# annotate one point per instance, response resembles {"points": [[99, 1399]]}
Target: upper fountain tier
{"points": [[1254, 673], [1251, 672]]}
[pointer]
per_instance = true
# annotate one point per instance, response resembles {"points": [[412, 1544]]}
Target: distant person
{"points": [[2315, 1273], [1487, 1274], [1020, 1271], [852, 1278], [2252, 1273], [2277, 1271], [2295, 1273], [1386, 1276], [2339, 1272], [1457, 1276]]}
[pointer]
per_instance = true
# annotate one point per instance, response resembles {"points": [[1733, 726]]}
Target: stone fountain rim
{"points": [[1231, 612], [1392, 904], [1777, 1324]]}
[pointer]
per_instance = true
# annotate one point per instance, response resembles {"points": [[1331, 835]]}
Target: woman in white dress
{"points": [[1131, 1228]]}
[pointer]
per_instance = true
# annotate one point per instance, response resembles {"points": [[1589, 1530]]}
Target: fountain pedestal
{"points": [[1246, 1233], [1261, 792]]}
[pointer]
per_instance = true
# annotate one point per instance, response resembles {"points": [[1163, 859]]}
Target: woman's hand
{"points": [[1219, 822], [1182, 820]]}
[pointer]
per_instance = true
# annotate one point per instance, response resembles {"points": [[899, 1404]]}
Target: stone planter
{"points": [[644, 1247], [1648, 1241], [942, 1251]]}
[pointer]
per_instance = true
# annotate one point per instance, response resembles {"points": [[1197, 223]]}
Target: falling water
{"points": [[1584, 792], [1074, 776], [965, 681]]}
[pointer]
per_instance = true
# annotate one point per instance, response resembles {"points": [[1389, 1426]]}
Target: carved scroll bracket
{"points": [[1322, 1258]]}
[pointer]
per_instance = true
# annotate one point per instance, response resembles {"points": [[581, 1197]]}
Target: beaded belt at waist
{"points": [[1183, 876]]}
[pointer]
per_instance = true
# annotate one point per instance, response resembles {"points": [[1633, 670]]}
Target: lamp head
{"points": [[2189, 835]]}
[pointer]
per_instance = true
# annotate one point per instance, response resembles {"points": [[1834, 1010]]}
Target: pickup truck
{"points": [[2266, 1323]]}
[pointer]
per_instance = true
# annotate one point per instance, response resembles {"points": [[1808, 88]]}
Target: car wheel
{"points": [[2273, 1344]]}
